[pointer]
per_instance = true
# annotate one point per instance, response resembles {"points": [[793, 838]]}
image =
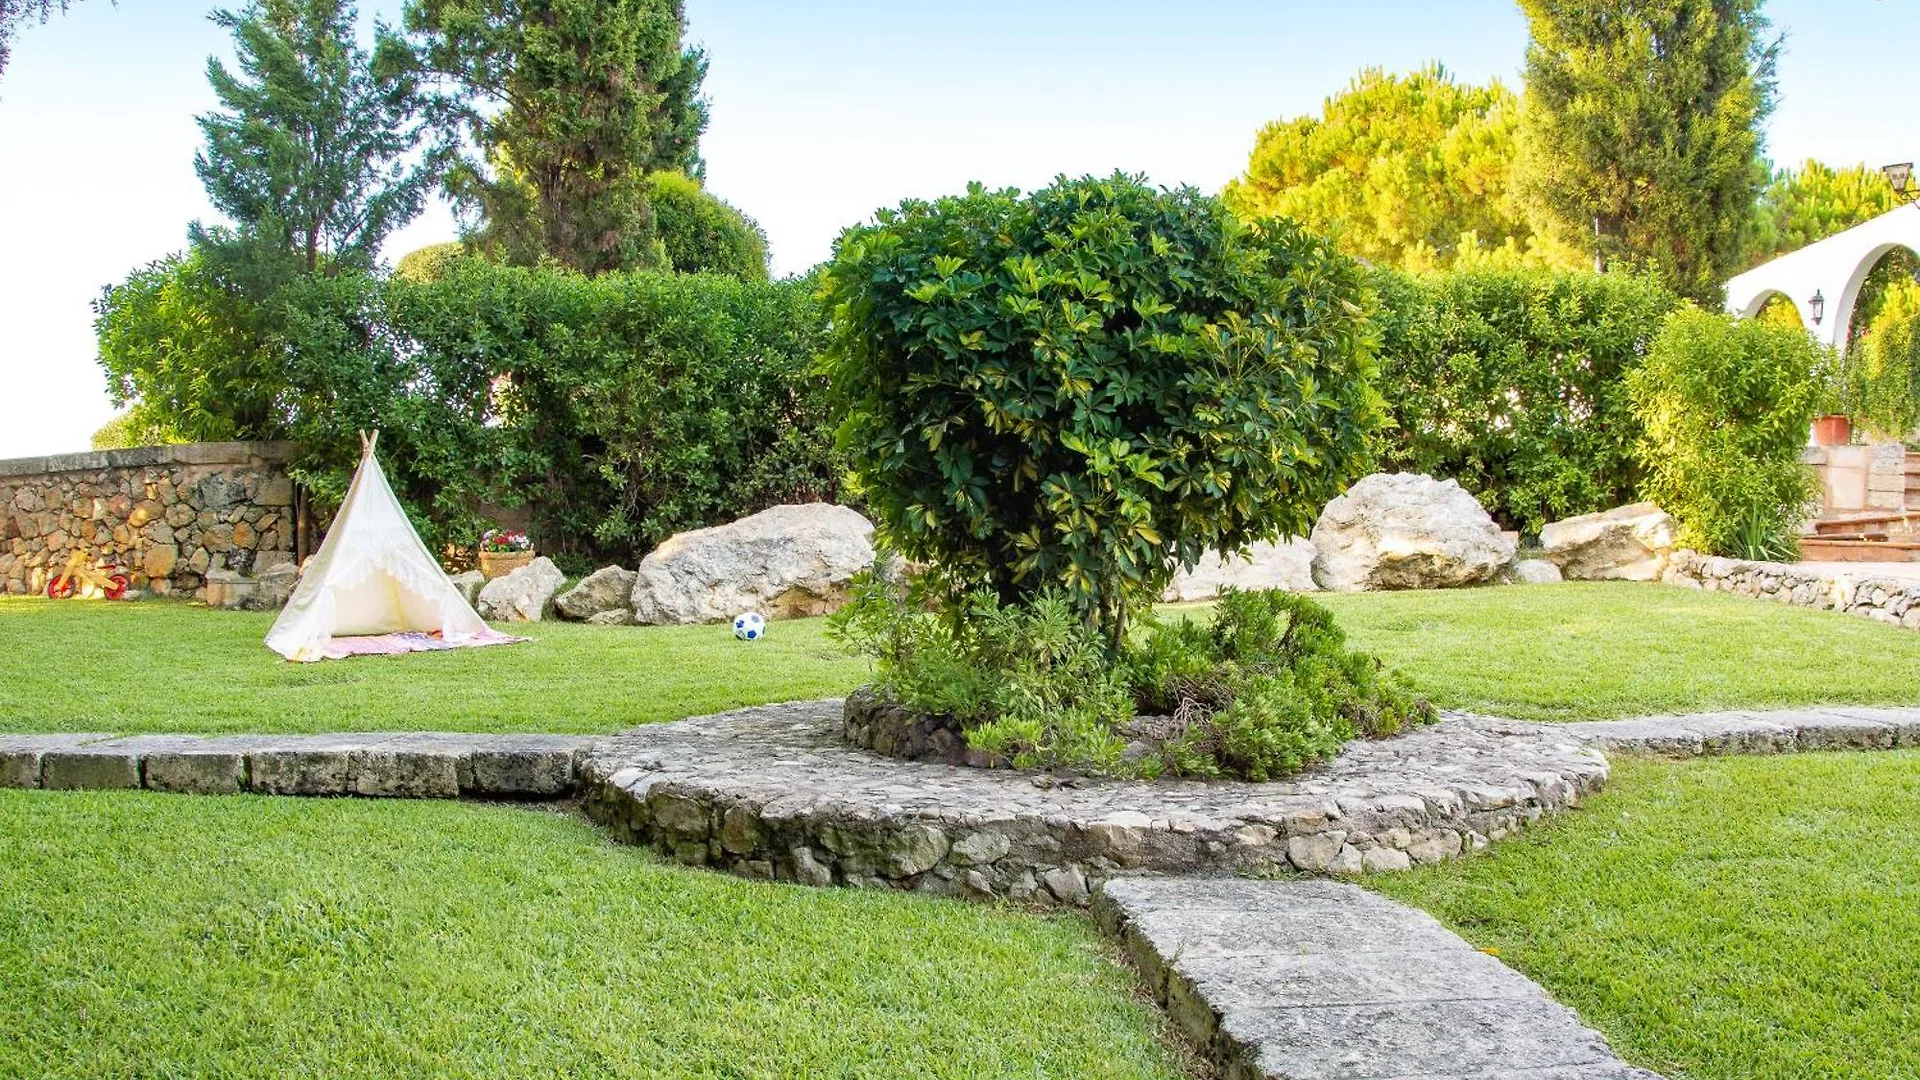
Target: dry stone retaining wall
{"points": [[776, 792], [1895, 601], [166, 515]]}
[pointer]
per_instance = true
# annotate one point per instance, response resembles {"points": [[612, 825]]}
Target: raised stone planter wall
{"points": [[1895, 601], [776, 792], [166, 515]]}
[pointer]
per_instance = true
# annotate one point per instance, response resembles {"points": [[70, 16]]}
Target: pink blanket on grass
{"points": [[411, 641]]}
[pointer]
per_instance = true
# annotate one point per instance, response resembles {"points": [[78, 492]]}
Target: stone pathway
{"points": [[1320, 980], [1780, 731], [426, 765], [1288, 980]]}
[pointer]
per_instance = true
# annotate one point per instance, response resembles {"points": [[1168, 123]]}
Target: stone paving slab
{"points": [[1751, 731], [776, 791], [1320, 980], [382, 764]]}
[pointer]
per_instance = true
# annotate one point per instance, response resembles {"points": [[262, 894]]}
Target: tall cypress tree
{"points": [[1641, 139], [316, 153], [567, 105]]}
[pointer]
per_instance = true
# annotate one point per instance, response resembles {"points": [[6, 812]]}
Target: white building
{"points": [[1831, 269]]}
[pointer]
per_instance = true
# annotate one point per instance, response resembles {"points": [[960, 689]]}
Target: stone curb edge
{"points": [[420, 765]]}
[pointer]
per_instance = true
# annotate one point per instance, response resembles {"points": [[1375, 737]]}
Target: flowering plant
{"points": [[501, 541]]}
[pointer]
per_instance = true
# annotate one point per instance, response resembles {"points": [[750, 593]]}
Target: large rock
{"points": [[469, 582], [787, 561], [1407, 531], [1630, 543], [1286, 565], [609, 588], [524, 595], [1535, 572]]}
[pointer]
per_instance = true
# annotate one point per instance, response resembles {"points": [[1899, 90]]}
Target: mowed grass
{"points": [[160, 665], [175, 936], [1559, 652], [1597, 650], [1718, 919]]}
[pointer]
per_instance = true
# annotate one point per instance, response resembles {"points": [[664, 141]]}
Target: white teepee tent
{"points": [[371, 576]]}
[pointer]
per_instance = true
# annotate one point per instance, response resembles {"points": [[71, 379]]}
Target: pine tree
{"points": [[1407, 170], [17, 13], [1641, 137], [317, 153], [568, 106]]}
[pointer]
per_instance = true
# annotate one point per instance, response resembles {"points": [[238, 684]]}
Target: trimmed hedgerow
{"points": [[1511, 382], [621, 408]]}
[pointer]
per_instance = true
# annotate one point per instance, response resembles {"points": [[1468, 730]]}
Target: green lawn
{"points": [[1718, 919], [170, 666], [1578, 651], [1595, 650], [174, 936]]}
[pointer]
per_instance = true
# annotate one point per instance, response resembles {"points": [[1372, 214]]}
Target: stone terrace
{"points": [[775, 792]]}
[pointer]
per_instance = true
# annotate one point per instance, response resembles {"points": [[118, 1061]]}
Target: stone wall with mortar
{"points": [[165, 515], [1895, 601], [1854, 479]]}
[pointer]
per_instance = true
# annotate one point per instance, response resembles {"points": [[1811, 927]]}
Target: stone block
{"points": [[298, 771], [1503, 1037], [197, 773], [404, 774], [19, 768], [86, 769], [518, 772]]}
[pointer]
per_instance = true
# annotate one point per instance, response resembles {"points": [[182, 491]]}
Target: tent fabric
{"points": [[372, 576]]}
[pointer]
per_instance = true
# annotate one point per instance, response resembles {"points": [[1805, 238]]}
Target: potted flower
{"points": [[503, 552], [1836, 400]]}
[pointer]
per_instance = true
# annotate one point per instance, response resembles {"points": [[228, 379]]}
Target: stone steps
{"points": [[423, 765], [1320, 980]]}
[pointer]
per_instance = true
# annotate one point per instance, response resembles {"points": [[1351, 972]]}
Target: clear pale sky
{"points": [[822, 112]]}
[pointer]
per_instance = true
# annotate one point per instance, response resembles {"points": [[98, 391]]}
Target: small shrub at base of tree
{"points": [[1724, 406], [1266, 689]]}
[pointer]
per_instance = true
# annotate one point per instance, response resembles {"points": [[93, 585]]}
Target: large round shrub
{"points": [[1083, 387], [703, 233]]}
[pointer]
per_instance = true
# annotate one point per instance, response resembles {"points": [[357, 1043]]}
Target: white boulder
{"points": [[608, 589], [784, 562], [525, 595], [1628, 543], [1534, 572], [1285, 565], [469, 582], [1407, 531]]}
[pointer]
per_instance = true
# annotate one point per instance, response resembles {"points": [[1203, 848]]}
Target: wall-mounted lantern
{"points": [[1817, 307], [1901, 177]]}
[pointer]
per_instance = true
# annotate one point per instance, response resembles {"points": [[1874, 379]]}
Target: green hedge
{"points": [[621, 408], [1725, 404], [1886, 365], [1511, 382]]}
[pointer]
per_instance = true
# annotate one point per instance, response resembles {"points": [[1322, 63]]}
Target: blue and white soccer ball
{"points": [[749, 626]]}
